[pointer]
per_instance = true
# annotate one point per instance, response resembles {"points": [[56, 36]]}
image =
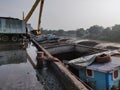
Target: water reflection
{"points": [[16, 73], [12, 57], [11, 53]]}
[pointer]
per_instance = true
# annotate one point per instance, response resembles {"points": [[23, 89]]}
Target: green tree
{"points": [[80, 32], [116, 33], [60, 32], [95, 31], [106, 34]]}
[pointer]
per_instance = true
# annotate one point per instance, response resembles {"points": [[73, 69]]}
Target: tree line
{"points": [[95, 32]]}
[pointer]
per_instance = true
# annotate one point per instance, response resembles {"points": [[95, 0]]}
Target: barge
{"points": [[80, 61], [66, 52]]}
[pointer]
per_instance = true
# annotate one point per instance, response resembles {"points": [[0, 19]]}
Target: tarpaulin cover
{"points": [[87, 60]]}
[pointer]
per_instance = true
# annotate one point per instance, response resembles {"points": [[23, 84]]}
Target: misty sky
{"points": [[66, 14]]}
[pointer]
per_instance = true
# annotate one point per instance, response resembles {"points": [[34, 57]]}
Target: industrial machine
{"points": [[11, 29], [36, 31]]}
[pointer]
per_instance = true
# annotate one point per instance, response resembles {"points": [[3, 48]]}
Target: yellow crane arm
{"points": [[32, 10], [40, 14]]}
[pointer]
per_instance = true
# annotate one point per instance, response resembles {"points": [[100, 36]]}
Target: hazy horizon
{"points": [[66, 14]]}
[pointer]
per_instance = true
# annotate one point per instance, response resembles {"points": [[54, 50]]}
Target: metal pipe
{"points": [[39, 60]]}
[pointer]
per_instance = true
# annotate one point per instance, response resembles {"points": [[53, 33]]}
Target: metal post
{"points": [[39, 59]]}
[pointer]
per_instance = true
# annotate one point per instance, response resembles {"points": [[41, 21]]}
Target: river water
{"points": [[16, 73]]}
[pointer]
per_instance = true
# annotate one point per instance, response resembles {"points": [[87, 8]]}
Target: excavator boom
{"points": [[40, 14], [32, 10]]}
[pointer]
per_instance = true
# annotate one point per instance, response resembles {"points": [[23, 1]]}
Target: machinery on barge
{"points": [[12, 29]]}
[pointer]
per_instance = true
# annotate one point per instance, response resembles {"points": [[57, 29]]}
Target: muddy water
{"points": [[16, 73]]}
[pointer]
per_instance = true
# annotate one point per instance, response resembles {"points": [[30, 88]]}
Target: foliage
{"points": [[95, 32], [80, 32]]}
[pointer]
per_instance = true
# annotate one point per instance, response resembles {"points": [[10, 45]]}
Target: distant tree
{"points": [[116, 32], [71, 33], [80, 32], [44, 31], [106, 34], [60, 32], [106, 31], [94, 31], [116, 27]]}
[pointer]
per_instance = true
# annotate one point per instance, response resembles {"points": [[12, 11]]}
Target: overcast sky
{"points": [[66, 14]]}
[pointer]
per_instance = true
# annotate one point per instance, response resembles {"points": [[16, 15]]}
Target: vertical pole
{"points": [[23, 16], [39, 60]]}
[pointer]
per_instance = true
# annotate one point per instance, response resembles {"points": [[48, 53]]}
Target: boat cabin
{"points": [[102, 76]]}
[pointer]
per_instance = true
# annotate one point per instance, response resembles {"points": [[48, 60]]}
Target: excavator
{"points": [[14, 29], [19, 28], [37, 31]]}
